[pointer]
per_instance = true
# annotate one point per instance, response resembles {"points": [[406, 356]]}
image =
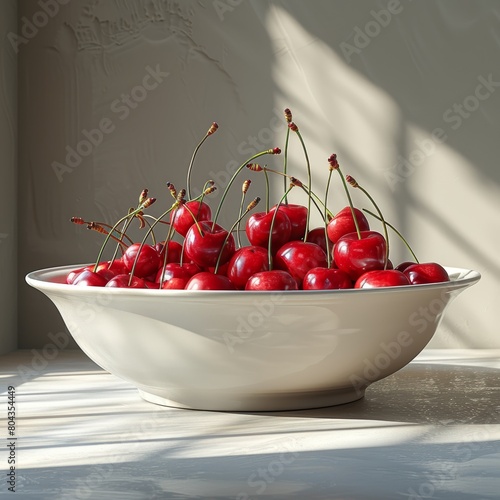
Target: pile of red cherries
{"points": [[273, 249]]}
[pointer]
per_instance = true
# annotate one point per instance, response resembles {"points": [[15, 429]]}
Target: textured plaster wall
{"points": [[115, 94], [8, 179]]}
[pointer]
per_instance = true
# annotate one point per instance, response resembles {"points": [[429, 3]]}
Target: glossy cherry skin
{"points": [[382, 278], [343, 223], [209, 281], [357, 256], [299, 257], [175, 275], [403, 265], [174, 251], [89, 278], [72, 275], [182, 218], [245, 263], [298, 219], [322, 278], [428, 272], [122, 280], [271, 280], [258, 227], [204, 248], [318, 236], [147, 263]]}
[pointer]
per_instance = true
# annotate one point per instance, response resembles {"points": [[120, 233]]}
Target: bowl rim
{"points": [[39, 279]]}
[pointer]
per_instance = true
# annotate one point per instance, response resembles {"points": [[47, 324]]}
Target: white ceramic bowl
{"points": [[251, 351]]}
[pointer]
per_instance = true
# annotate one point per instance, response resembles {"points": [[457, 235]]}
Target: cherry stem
{"points": [[325, 217], [126, 225], [129, 216], [271, 227], [356, 185], [350, 202], [238, 170], [167, 241], [285, 165], [396, 231], [143, 241], [244, 189], [250, 207], [309, 181], [316, 201], [267, 190], [210, 131]]}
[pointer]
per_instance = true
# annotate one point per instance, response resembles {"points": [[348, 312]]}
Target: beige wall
{"points": [[406, 93], [8, 179]]}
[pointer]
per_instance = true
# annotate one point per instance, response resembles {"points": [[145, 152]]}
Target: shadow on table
{"points": [[422, 393]]}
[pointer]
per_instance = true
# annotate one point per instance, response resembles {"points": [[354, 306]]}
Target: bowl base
{"points": [[258, 402]]}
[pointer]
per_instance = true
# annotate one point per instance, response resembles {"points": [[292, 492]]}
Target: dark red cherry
{"points": [[204, 248], [209, 281], [245, 263], [357, 256], [89, 278], [428, 272], [271, 280], [299, 257], [322, 278], [183, 218], [382, 278], [297, 214], [174, 251], [343, 223], [122, 281], [175, 275], [318, 236], [258, 227], [147, 263]]}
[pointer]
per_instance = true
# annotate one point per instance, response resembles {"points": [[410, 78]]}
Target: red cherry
{"points": [[357, 256], [299, 257], [175, 271], [72, 275], [322, 278], [401, 267], [122, 281], [204, 248], [298, 219], [271, 280], [428, 272], [182, 218], [318, 236], [147, 263], [209, 281], [89, 278], [174, 284], [343, 223], [174, 251], [245, 263], [382, 278], [259, 224]]}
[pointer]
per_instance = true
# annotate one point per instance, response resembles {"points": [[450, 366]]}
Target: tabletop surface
{"points": [[432, 430]]}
